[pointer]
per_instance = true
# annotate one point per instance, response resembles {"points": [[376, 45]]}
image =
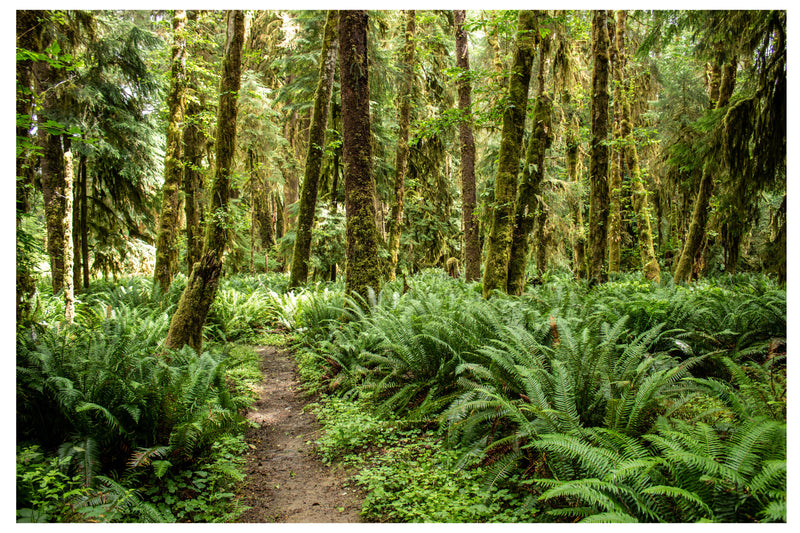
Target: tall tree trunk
{"points": [[401, 155], [27, 21], [76, 225], [363, 269], [495, 272], [166, 240], [573, 174], [598, 166], [692, 246], [69, 288], [694, 238], [316, 142], [529, 205], [193, 149], [52, 169], [616, 156], [641, 205], [472, 245], [84, 220], [186, 326]]}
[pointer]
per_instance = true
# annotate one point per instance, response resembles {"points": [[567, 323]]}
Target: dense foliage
{"points": [[618, 183], [630, 401]]}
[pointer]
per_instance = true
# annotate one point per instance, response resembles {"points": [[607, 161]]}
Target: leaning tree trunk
{"points": [[186, 326], [641, 205], [692, 246], [472, 244], [598, 166], [401, 155], [362, 273], [495, 272], [316, 142], [166, 240]]}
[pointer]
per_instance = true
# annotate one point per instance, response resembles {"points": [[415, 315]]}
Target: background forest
{"points": [[540, 253]]}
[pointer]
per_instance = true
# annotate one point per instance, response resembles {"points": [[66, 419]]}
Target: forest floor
{"points": [[286, 481]]}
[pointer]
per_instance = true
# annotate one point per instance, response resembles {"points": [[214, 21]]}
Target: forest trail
{"points": [[285, 481]]}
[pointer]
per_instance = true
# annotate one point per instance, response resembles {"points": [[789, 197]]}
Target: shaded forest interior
{"points": [[521, 240]]}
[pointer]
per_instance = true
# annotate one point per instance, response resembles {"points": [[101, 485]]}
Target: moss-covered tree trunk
{"points": [[362, 272], [529, 207], [194, 144], [641, 204], [472, 245], [316, 146], [401, 154], [186, 326], [692, 246], [694, 237], [615, 154], [495, 272], [598, 166], [166, 240]]}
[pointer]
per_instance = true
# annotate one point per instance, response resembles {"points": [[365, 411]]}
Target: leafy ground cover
{"points": [[628, 401]]}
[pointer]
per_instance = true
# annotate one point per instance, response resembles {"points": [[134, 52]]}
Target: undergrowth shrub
{"points": [[577, 392]]}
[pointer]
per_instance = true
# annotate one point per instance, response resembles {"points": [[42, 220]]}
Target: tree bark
{"points": [[529, 205], [495, 272], [697, 227], [186, 326], [69, 288], [316, 142], [84, 220], [694, 238], [52, 169], [193, 149], [616, 153], [76, 226], [641, 205], [166, 241], [401, 155], [598, 166], [472, 245], [362, 272]]}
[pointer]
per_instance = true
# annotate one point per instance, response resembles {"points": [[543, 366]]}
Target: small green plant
{"points": [[419, 481], [44, 491], [349, 428]]}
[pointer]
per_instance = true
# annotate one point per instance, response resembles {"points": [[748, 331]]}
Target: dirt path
{"points": [[285, 482]]}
